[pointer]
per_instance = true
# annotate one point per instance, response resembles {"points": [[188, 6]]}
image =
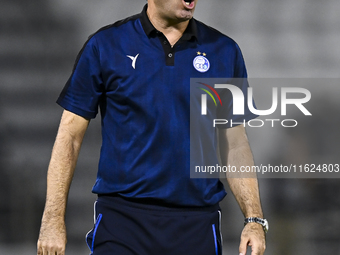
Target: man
{"points": [[137, 71]]}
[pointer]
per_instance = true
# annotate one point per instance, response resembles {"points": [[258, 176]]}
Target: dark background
{"points": [[39, 41]]}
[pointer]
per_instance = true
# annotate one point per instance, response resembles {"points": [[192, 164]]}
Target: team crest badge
{"points": [[201, 63]]}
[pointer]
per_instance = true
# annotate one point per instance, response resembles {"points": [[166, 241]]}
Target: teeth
{"points": [[187, 3]]}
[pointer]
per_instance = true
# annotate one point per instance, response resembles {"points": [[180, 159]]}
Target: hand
{"points": [[253, 235], [52, 238]]}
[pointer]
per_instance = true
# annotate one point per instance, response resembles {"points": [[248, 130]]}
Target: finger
{"points": [[61, 251], [58, 250], [51, 251], [39, 249], [257, 250], [243, 246], [44, 251]]}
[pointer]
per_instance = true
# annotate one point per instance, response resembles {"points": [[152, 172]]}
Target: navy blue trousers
{"points": [[123, 227]]}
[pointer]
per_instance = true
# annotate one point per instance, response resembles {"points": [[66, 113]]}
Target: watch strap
{"points": [[258, 220]]}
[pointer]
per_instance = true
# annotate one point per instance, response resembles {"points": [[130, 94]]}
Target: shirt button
{"points": [[165, 42], [170, 55]]}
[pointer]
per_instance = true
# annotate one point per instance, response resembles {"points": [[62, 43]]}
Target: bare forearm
{"points": [[52, 236], [60, 173], [246, 192], [246, 189], [235, 151], [61, 168]]}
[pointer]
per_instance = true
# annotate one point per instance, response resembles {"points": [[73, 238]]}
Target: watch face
{"points": [[265, 225]]}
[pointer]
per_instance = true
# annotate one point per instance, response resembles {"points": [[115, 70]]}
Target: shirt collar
{"points": [[149, 29]]}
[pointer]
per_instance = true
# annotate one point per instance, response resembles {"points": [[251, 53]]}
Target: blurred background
{"points": [[39, 41]]}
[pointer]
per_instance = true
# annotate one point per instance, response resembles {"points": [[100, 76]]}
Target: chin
{"points": [[185, 15]]}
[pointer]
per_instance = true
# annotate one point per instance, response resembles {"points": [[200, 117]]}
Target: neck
{"points": [[172, 29]]}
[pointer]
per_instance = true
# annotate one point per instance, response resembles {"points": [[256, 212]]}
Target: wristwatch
{"points": [[260, 221]]}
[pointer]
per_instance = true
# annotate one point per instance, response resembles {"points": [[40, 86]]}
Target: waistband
{"points": [[147, 204]]}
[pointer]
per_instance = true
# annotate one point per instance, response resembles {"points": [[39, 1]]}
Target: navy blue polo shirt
{"points": [[141, 85]]}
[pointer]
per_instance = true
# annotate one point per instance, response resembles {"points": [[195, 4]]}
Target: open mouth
{"points": [[189, 3]]}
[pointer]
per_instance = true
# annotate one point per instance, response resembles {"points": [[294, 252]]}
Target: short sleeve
{"points": [[240, 82], [83, 90], [240, 70]]}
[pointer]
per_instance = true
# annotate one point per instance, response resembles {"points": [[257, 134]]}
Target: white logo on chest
{"points": [[133, 60]]}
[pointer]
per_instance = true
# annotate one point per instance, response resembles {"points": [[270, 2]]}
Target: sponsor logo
{"points": [[134, 59]]}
